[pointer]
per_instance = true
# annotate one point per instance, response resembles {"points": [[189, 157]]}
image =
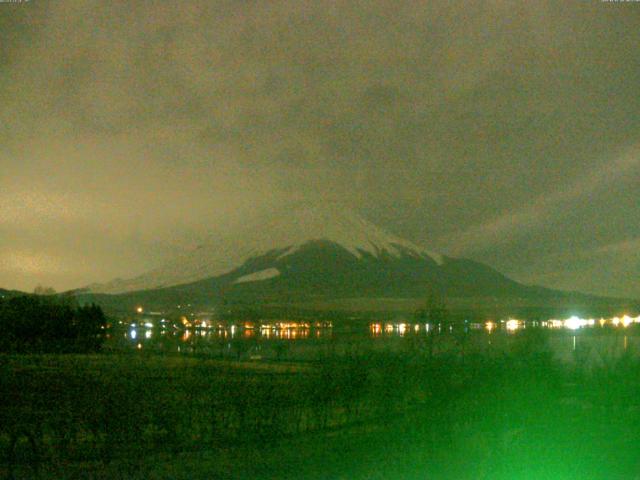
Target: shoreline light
{"points": [[626, 321], [513, 324], [574, 322]]}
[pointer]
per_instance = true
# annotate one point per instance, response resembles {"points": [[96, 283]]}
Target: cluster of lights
{"points": [[280, 325], [572, 323], [288, 325], [625, 320], [402, 328], [198, 328]]}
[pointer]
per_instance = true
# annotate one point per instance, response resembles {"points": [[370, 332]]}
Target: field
{"points": [[402, 414]]}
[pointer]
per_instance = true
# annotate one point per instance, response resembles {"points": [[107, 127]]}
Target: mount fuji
{"points": [[307, 254], [285, 235]]}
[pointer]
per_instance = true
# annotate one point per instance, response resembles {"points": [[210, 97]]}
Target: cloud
{"points": [[464, 126], [30, 262], [511, 226], [38, 205], [630, 247]]}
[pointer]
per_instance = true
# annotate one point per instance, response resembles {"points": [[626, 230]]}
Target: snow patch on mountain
{"points": [[260, 275], [287, 231]]}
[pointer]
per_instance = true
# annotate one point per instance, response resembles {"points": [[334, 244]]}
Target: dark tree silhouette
{"points": [[33, 323]]}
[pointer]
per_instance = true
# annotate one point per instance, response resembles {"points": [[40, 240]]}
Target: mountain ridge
{"points": [[287, 232], [310, 256]]}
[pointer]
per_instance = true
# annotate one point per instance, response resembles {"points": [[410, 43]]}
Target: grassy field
{"points": [[373, 415]]}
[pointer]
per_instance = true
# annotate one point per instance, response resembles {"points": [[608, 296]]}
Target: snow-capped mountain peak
{"points": [[285, 232]]}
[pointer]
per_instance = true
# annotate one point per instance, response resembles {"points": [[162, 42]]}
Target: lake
{"points": [[568, 340]]}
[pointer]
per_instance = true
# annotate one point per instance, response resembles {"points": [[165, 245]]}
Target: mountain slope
{"points": [[11, 293]]}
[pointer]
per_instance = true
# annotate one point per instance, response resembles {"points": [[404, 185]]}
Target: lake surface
{"points": [[595, 341]]}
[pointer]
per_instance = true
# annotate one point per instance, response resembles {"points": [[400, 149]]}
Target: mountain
{"points": [[10, 293], [287, 232], [310, 254]]}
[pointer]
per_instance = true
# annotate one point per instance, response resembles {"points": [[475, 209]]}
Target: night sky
{"points": [[507, 132]]}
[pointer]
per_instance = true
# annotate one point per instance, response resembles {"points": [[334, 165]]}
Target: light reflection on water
{"points": [[305, 336], [510, 325], [265, 332]]}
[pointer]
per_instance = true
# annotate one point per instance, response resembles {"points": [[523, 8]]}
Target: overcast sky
{"points": [[507, 132]]}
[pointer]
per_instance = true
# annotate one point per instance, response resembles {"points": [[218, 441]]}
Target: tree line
{"points": [[49, 324]]}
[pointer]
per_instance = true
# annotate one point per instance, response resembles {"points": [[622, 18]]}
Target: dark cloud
{"points": [[505, 132]]}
